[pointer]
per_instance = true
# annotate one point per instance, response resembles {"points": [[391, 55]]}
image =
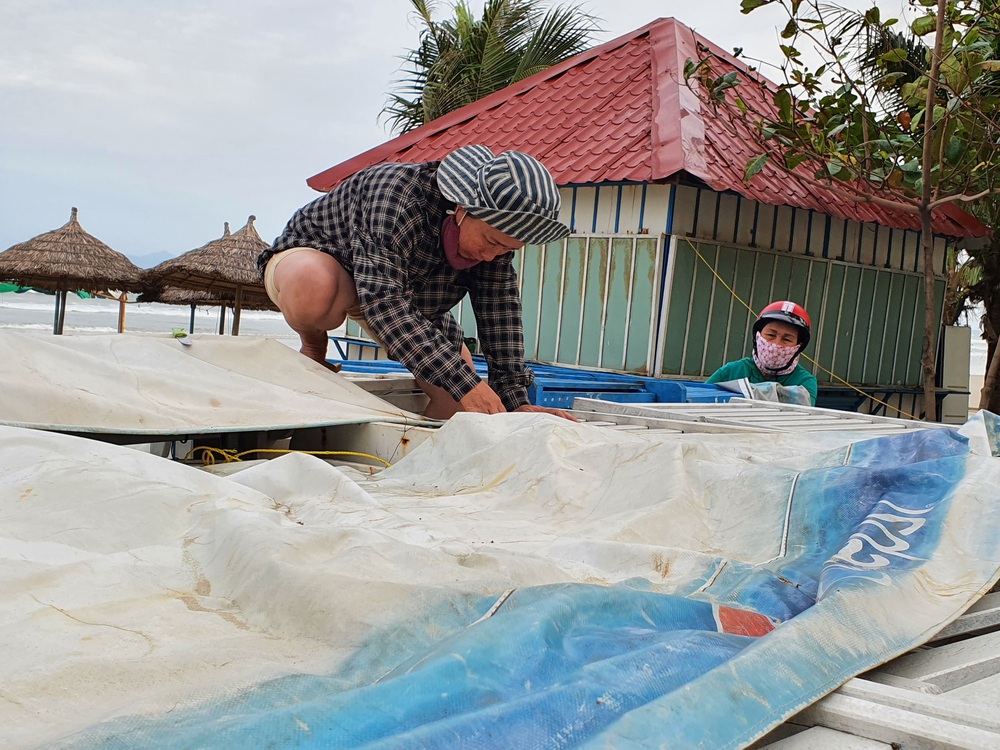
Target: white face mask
{"points": [[772, 359]]}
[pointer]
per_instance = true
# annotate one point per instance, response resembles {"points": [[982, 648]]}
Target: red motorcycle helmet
{"points": [[786, 312]]}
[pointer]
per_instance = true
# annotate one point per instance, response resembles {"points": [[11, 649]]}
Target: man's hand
{"points": [[482, 399], [547, 410]]}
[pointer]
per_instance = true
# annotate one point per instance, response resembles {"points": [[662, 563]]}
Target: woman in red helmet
{"points": [[780, 333]]}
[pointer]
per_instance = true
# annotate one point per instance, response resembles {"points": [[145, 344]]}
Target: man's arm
{"points": [[497, 305], [391, 219]]}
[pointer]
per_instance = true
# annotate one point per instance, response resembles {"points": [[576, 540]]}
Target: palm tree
{"points": [[462, 59]]}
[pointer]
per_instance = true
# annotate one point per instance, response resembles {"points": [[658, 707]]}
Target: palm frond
{"points": [[462, 59]]}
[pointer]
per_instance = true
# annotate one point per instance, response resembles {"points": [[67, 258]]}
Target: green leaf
{"points": [[791, 162], [990, 66], [783, 101], [954, 150], [894, 56], [754, 166], [750, 5], [924, 25], [913, 94], [790, 30], [741, 105], [872, 15]]}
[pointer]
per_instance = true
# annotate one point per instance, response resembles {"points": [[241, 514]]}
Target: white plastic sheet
{"points": [[131, 586], [153, 385]]}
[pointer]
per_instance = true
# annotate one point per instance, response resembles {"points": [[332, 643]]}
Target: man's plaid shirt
{"points": [[383, 225]]}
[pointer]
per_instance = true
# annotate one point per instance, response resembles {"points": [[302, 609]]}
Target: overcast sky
{"points": [[161, 120]]}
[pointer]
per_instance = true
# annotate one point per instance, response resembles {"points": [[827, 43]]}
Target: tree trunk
{"points": [[989, 397], [928, 360], [990, 382]]}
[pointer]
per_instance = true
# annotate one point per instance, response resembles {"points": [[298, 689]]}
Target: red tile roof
{"points": [[621, 112]]}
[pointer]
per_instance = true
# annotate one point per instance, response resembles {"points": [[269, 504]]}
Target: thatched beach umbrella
{"points": [[226, 266], [68, 259], [172, 295]]}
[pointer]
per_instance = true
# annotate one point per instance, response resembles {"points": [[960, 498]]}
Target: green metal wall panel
{"points": [[549, 308], [798, 276], [740, 319], [678, 309], [907, 318], [826, 346], [862, 327], [867, 323], [894, 305], [529, 261], [846, 320], [701, 299], [643, 302], [916, 337], [594, 295], [572, 301], [616, 310], [591, 301], [721, 309], [878, 314]]}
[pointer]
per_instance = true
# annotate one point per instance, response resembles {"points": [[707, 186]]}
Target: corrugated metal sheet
{"points": [[621, 112]]}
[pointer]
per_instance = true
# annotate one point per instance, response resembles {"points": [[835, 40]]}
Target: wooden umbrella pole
{"points": [[222, 320], [121, 313], [237, 309]]}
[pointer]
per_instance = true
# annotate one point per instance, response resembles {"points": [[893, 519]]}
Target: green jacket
{"points": [[746, 368]]}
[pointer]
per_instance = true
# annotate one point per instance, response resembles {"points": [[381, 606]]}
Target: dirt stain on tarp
{"points": [[661, 565], [202, 588], [26, 493]]}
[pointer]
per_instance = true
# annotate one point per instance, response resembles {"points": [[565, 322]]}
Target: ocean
{"points": [[34, 311]]}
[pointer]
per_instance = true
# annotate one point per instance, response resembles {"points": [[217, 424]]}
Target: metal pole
{"points": [[191, 325], [222, 320], [62, 310], [55, 318]]}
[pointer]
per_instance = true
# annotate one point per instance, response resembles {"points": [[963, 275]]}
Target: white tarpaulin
{"points": [[153, 385], [516, 581]]}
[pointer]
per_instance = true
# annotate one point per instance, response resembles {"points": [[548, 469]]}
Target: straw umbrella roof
{"points": [[68, 259], [228, 264], [172, 295]]}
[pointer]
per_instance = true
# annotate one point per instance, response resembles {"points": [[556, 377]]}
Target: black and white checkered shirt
{"points": [[383, 225]]}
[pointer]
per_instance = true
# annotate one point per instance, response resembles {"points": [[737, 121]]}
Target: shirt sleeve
{"points": [[389, 220], [724, 374], [496, 303], [810, 384]]}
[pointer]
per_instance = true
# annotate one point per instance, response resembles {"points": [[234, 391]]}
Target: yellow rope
{"points": [[209, 454], [694, 246]]}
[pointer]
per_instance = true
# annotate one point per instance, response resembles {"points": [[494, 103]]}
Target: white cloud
{"points": [[184, 114]]}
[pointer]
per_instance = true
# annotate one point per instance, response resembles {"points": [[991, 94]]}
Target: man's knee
{"points": [[315, 291]]}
